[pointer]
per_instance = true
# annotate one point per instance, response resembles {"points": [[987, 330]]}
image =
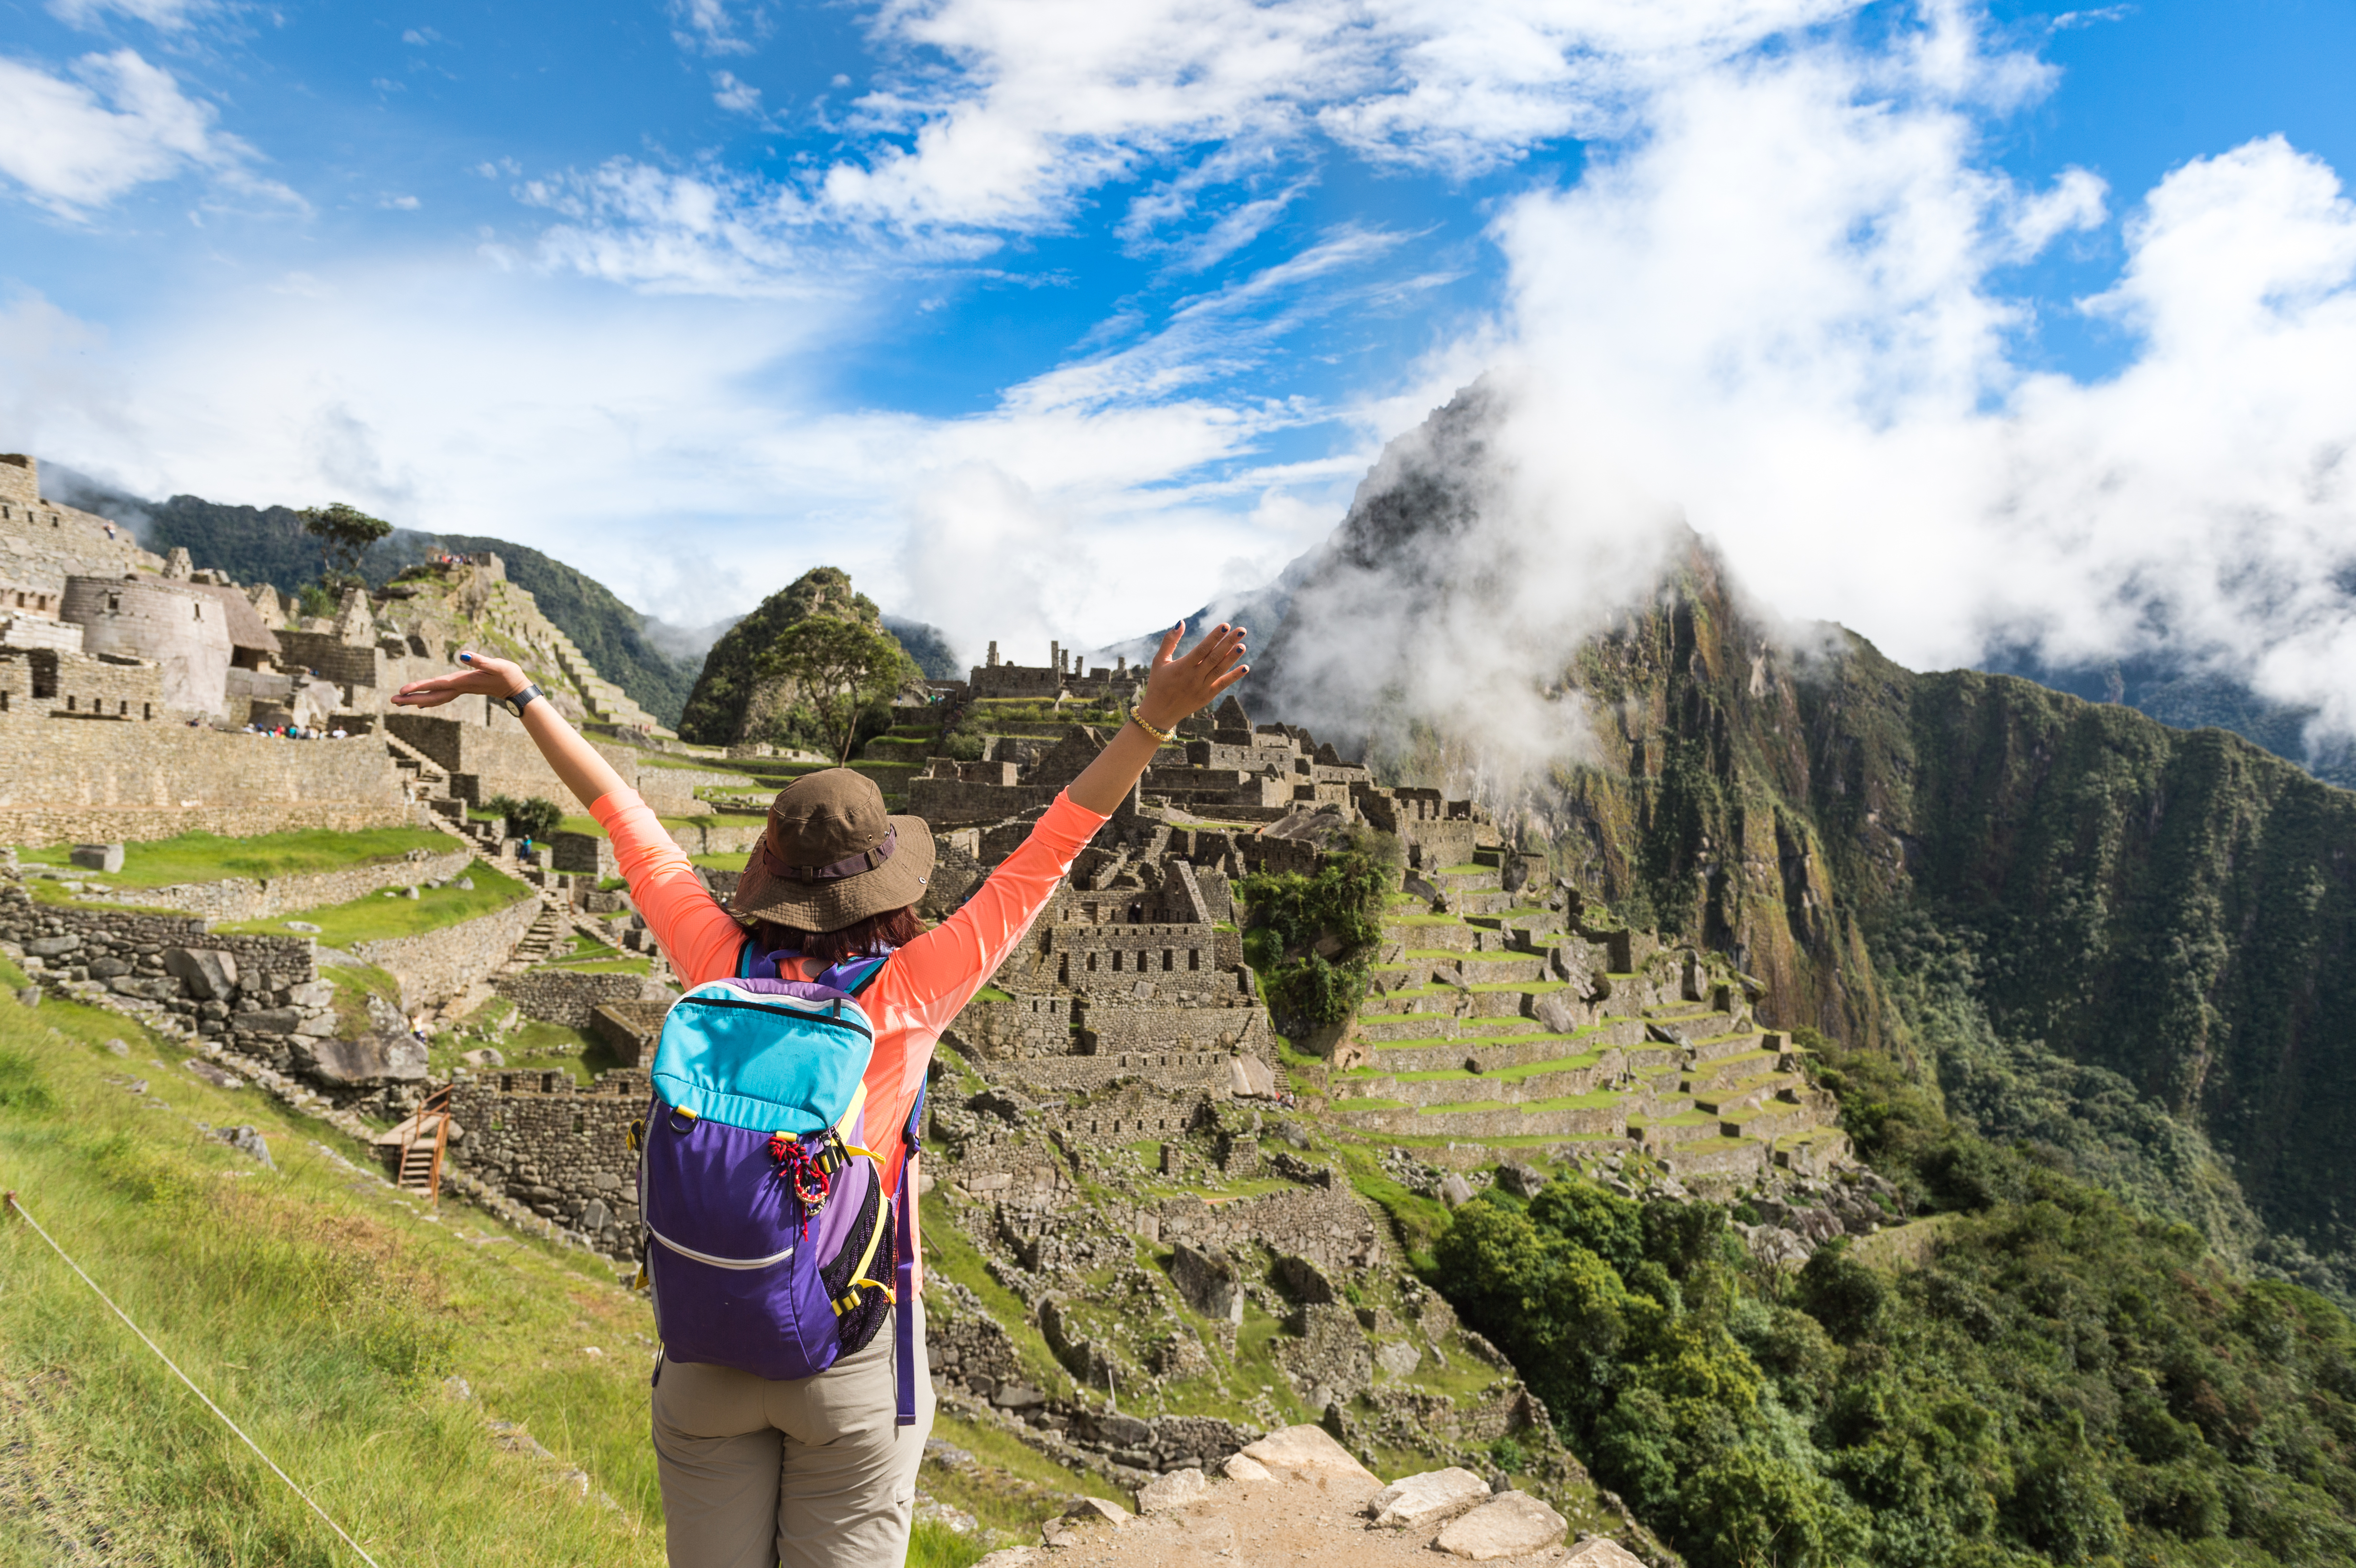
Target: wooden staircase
{"points": [[425, 1136]]}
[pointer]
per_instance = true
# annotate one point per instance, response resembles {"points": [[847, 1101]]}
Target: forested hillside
{"points": [[2053, 1378]]}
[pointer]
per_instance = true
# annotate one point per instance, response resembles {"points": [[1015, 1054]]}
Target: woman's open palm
{"points": [[1180, 684]]}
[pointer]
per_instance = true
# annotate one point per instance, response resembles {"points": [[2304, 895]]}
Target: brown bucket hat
{"points": [[831, 856]]}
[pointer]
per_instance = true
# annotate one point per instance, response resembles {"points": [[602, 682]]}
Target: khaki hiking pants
{"points": [[809, 1474]]}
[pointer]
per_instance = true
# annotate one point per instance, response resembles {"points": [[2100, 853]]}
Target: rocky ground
{"points": [[1298, 1498]]}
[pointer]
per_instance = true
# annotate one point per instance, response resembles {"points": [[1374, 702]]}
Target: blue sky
{"points": [[1056, 319]]}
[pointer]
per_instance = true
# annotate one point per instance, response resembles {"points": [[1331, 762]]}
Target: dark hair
{"points": [[877, 932]]}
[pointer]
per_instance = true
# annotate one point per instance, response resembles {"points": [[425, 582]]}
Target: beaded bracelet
{"points": [[1161, 737]]}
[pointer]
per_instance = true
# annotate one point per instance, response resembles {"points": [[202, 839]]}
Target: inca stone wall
{"points": [[498, 758], [443, 962], [65, 683], [562, 1150], [248, 898], [1330, 1227], [62, 781], [41, 542], [556, 996]]}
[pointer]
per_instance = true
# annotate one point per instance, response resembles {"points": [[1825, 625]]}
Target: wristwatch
{"points": [[517, 703]]}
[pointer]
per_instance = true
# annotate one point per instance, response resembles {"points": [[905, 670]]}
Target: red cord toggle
{"points": [[799, 1166]]}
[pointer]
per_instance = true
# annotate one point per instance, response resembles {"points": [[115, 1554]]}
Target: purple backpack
{"points": [[769, 1239]]}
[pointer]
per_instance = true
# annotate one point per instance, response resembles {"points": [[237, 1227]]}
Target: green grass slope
{"points": [[327, 1315], [208, 857]]}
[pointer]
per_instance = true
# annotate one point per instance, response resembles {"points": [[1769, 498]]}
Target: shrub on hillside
{"points": [[1312, 939], [532, 819]]}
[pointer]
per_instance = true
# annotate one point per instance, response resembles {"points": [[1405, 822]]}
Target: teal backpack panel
{"points": [[755, 1054]]}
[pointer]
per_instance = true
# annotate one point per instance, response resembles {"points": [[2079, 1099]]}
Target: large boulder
{"points": [[370, 1059], [1249, 1078], [1208, 1283], [107, 858], [1174, 1490], [1242, 1468], [210, 973], [1311, 1452], [1428, 1499], [1511, 1524]]}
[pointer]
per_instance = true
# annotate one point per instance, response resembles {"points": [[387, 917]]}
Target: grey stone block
{"points": [[105, 858], [51, 946], [371, 1059], [210, 973]]}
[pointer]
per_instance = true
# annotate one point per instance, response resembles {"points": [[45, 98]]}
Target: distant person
{"points": [[819, 1472]]}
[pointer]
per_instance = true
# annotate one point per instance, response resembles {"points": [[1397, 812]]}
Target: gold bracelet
{"points": [[1161, 737]]}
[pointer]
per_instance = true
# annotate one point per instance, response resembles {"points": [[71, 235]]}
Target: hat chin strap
{"points": [[850, 866]]}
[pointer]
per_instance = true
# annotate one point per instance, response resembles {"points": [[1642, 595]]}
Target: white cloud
{"points": [[399, 203], [674, 453], [1051, 98], [165, 16], [1778, 314], [706, 230], [73, 145], [710, 25], [735, 96]]}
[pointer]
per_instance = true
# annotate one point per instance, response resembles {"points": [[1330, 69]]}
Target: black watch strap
{"points": [[520, 700]]}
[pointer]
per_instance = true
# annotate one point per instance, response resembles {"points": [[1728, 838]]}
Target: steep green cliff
{"points": [[2172, 906]]}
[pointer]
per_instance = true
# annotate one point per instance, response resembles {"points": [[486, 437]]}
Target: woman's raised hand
{"points": [[494, 678], [1179, 685]]}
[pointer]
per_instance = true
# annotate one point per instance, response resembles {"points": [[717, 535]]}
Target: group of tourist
{"points": [[298, 731]]}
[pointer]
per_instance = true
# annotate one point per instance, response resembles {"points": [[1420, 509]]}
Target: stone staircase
{"points": [[606, 703], [554, 926], [1452, 1043], [429, 787]]}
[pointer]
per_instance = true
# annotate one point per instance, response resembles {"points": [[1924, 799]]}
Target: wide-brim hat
{"points": [[831, 855]]}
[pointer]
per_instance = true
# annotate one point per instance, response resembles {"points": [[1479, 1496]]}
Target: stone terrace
{"points": [[1494, 1019]]}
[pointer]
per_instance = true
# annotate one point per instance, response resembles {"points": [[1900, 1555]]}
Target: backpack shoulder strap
{"points": [[905, 1277], [853, 975]]}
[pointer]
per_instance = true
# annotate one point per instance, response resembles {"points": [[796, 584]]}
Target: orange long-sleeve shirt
{"points": [[919, 991]]}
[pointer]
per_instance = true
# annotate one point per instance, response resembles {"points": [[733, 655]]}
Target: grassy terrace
{"points": [[382, 916], [1503, 1074], [207, 858], [589, 824], [1600, 1100]]}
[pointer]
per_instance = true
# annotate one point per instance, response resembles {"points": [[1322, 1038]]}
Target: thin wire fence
{"points": [[27, 1216]]}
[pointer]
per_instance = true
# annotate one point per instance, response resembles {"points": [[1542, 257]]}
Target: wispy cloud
{"points": [[713, 27], [76, 144], [165, 16], [737, 97]]}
